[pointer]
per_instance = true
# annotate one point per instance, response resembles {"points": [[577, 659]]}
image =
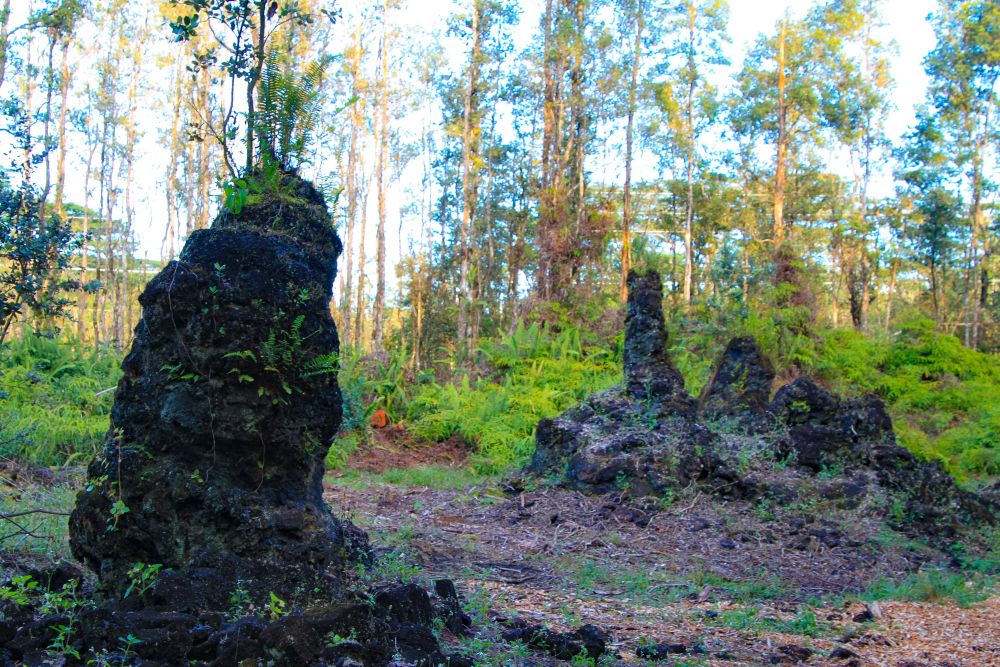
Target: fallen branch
{"points": [[12, 517]]}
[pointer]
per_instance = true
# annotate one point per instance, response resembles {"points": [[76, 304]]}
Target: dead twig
{"points": [[14, 515]]}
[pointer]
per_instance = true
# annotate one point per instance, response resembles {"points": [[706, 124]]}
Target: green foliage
{"points": [[47, 602], [940, 394], [19, 591], [264, 183], [240, 602], [34, 248], [804, 623], [142, 577], [275, 606], [341, 449], [543, 374], [288, 109], [396, 565], [55, 407]]}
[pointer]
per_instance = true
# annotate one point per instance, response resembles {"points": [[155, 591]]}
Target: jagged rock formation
{"points": [[740, 387], [647, 438], [213, 463], [650, 374], [203, 517]]}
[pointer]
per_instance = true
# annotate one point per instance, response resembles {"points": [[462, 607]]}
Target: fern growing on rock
{"points": [[288, 110]]}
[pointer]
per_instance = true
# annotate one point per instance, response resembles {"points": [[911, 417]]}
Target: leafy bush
{"points": [[941, 394]]}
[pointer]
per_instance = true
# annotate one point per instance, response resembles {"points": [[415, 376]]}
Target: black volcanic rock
{"points": [[213, 464], [644, 439], [740, 386], [650, 375]]}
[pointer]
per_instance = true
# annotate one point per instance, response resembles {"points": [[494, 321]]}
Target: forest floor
{"points": [[717, 583], [725, 583]]}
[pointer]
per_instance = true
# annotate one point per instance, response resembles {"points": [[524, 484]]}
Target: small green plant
{"points": [[276, 607], [396, 565], [334, 638], [20, 590], [62, 602], [622, 482], [235, 194], [118, 510], [60, 645], [142, 577], [831, 469], [240, 602], [127, 646]]}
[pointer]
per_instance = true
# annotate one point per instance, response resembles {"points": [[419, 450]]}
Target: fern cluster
{"points": [[288, 110], [55, 398], [280, 351]]}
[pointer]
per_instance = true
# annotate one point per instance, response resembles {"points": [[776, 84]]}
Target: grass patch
{"points": [[643, 585], [803, 624], [963, 588], [764, 587], [433, 477]]}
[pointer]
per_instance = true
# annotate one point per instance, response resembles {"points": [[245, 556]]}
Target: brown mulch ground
{"points": [[526, 553], [393, 447]]}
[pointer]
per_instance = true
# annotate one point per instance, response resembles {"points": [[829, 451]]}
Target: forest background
{"points": [[523, 161]]}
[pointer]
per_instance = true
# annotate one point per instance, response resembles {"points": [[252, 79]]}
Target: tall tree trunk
{"points": [[81, 293], [50, 85], [463, 341], [689, 163], [352, 182], [578, 144], [204, 153], [64, 85], [973, 289], [378, 310], [124, 309], [553, 201], [781, 157], [626, 259], [360, 309], [4, 19]]}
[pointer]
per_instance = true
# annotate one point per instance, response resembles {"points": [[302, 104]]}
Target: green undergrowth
{"points": [[535, 374], [941, 395], [523, 377], [961, 587], [53, 405]]}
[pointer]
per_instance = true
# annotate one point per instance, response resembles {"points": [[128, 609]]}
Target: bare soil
{"points": [[729, 583], [393, 447]]}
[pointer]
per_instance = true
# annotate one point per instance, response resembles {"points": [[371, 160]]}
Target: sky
{"points": [[905, 23]]}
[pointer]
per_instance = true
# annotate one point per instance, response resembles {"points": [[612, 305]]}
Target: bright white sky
{"points": [[905, 23]]}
